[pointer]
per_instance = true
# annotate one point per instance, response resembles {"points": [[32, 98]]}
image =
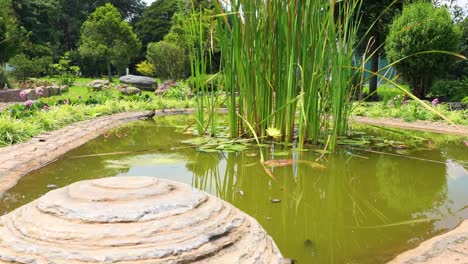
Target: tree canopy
{"points": [[107, 38], [420, 28]]}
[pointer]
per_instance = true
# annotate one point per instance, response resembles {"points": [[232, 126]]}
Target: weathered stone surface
{"points": [[53, 90], [130, 91], [165, 86], [141, 82], [96, 82], [448, 248], [132, 220]]}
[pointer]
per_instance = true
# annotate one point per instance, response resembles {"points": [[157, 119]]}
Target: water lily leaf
{"points": [[207, 150], [237, 147], [282, 153], [322, 151]]}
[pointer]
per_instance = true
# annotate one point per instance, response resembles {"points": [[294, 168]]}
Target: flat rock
{"points": [[98, 82], [451, 247], [132, 220], [141, 82]]}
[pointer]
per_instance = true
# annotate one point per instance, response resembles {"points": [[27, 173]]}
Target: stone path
{"points": [[4, 106], [426, 126], [20, 159]]}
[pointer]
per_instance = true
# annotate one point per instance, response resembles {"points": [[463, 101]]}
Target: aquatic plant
{"points": [[282, 57]]}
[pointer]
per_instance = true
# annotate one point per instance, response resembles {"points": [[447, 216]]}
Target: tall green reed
{"points": [[286, 57], [279, 58]]}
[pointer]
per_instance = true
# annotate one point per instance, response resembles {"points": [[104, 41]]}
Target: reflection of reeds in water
{"points": [[326, 215]]}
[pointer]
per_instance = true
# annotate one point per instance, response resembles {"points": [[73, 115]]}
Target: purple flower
{"points": [[28, 103], [22, 94], [46, 107], [39, 91], [66, 102], [435, 102]]}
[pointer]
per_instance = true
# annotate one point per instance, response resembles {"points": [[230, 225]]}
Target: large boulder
{"points": [[132, 220], [141, 82]]}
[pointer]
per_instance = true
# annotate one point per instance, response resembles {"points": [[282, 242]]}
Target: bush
{"points": [[146, 69], [24, 67], [68, 73], [168, 60], [454, 90], [422, 27], [213, 81], [181, 91]]}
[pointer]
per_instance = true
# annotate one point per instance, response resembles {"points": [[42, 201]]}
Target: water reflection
{"points": [[349, 207]]}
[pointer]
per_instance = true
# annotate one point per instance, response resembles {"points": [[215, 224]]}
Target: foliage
{"points": [[168, 60], [410, 111], [420, 28], [453, 90], [105, 36], [287, 56], [460, 69], [40, 19], [213, 82], [181, 92], [67, 72], [146, 69], [24, 67], [156, 21], [18, 127], [11, 33]]}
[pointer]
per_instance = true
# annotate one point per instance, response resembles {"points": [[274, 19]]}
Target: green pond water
{"points": [[352, 206]]}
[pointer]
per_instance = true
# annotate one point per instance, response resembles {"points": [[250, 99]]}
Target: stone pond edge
{"points": [[20, 159]]}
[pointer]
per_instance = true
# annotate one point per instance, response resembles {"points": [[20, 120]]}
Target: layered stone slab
{"points": [[132, 220]]}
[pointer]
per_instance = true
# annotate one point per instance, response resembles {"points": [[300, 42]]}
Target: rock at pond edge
{"points": [[132, 220]]}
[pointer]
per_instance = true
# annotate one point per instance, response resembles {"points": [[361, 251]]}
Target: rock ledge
{"points": [[132, 220]]}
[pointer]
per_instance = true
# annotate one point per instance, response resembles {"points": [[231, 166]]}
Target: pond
{"points": [[353, 206]]}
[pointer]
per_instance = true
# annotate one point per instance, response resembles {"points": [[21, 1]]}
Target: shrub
{"points": [[213, 81], [168, 60], [181, 91], [68, 73], [454, 90], [24, 67], [146, 69], [422, 27]]}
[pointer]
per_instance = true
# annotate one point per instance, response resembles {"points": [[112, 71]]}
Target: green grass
{"points": [[15, 130], [412, 111], [386, 91]]}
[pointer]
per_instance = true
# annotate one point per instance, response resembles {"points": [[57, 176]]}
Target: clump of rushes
{"points": [[282, 57]]}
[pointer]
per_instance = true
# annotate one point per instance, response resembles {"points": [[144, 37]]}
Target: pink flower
{"points": [[46, 107], [39, 91], [66, 101], [28, 103], [466, 143], [435, 102], [22, 94]]}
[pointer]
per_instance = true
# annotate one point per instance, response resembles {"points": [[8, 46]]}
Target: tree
{"points": [[421, 27], [168, 59], [374, 29], [105, 36], [156, 21], [40, 18], [11, 34]]}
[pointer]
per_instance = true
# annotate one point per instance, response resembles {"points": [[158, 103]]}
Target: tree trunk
{"points": [[109, 72], [374, 67]]}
